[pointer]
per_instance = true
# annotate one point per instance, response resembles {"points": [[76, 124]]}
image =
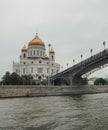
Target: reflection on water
{"points": [[80, 112]]}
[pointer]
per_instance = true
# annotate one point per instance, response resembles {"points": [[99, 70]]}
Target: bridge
{"points": [[77, 74]]}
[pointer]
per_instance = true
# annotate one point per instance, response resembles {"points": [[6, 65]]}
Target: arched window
{"points": [[31, 53], [24, 55], [39, 77], [43, 53], [34, 52], [37, 53], [31, 70], [52, 57], [40, 53], [40, 61]]}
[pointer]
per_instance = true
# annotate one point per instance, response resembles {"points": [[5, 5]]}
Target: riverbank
{"points": [[8, 91]]}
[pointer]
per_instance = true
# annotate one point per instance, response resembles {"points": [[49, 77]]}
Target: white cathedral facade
{"points": [[35, 62]]}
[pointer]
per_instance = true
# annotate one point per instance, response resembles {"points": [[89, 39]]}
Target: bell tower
{"points": [[52, 55]]}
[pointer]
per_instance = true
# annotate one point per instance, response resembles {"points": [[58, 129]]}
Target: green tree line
{"points": [[100, 81], [15, 79]]}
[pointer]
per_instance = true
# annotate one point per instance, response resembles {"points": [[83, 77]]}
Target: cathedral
{"points": [[35, 62]]}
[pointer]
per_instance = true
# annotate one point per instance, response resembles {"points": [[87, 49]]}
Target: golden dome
{"points": [[24, 48], [36, 41], [51, 51]]}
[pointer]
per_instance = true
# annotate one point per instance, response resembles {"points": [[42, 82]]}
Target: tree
{"points": [[6, 79], [100, 81], [26, 80], [15, 79]]}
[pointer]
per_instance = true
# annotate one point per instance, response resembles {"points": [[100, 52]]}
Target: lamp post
{"points": [[67, 65], [81, 57], [91, 50], [73, 61], [49, 45], [62, 68], [104, 44]]}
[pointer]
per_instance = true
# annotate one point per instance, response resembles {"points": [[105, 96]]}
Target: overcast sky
{"points": [[73, 27]]}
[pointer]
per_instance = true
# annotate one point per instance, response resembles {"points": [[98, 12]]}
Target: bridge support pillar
{"points": [[70, 79], [77, 80]]}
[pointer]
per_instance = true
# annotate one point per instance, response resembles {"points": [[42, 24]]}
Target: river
{"points": [[80, 112]]}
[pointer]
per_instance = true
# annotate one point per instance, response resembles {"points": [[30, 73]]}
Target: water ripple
{"points": [[79, 112]]}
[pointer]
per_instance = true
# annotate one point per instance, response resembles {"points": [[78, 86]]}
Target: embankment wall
{"points": [[24, 91]]}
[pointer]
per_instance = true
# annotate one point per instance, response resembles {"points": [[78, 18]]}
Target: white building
{"points": [[91, 80], [35, 62]]}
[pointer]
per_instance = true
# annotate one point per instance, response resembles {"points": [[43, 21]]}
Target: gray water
{"points": [[80, 112]]}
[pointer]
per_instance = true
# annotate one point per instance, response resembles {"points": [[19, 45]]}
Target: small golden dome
{"points": [[46, 57], [24, 48], [36, 41], [51, 51]]}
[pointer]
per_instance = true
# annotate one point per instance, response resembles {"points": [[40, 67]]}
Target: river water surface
{"points": [[80, 112]]}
